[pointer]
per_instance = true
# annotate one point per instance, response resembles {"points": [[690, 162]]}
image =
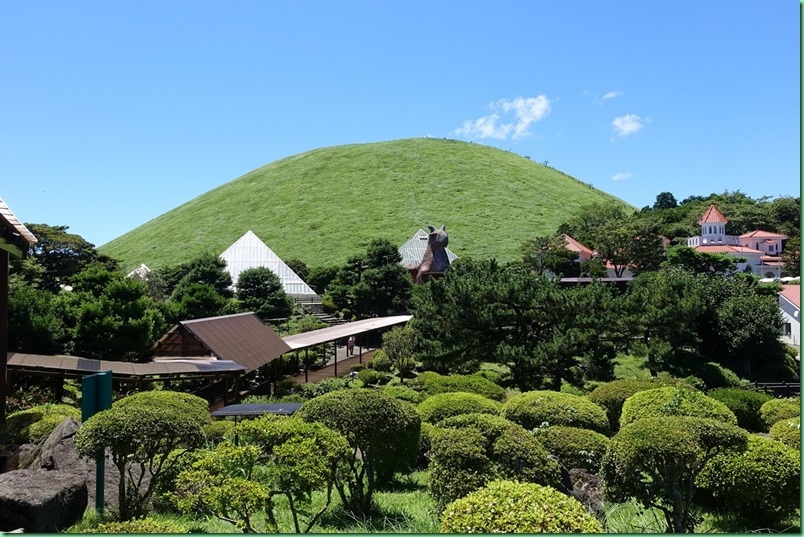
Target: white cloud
{"points": [[611, 95], [628, 124], [521, 113], [622, 176]]}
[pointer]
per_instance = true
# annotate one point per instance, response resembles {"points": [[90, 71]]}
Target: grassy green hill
{"points": [[325, 205]]}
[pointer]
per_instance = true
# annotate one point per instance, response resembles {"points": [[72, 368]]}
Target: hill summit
{"points": [[324, 205]]}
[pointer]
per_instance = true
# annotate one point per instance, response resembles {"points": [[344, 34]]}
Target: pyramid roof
{"points": [[712, 216], [574, 245], [250, 252], [413, 250]]}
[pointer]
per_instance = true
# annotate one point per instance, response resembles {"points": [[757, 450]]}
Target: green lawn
{"points": [[325, 205]]}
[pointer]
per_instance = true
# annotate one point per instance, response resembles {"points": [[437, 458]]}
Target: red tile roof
{"points": [[759, 234], [712, 216], [792, 293], [725, 249], [575, 246]]}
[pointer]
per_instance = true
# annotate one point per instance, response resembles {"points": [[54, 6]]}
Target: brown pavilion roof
{"points": [[13, 233], [241, 338]]}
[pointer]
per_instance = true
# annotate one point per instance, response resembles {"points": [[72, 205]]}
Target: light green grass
{"points": [[324, 205]]}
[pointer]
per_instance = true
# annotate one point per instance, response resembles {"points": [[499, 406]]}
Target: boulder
{"points": [[587, 489], [41, 501]]}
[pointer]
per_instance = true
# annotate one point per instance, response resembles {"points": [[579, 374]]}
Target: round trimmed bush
{"points": [[371, 377], [433, 383], [404, 393], [574, 447], [745, 404], [761, 483], [216, 431], [511, 507], [788, 432], [673, 401], [611, 395], [34, 424], [537, 409], [778, 409], [425, 438], [384, 429], [470, 450], [715, 375], [445, 405], [185, 404], [380, 362]]}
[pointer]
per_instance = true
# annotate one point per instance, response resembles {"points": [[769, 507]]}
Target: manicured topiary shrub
{"points": [[761, 484], [471, 449], [311, 390], [511, 507], [139, 525], [779, 409], [380, 362], [383, 429], [715, 375], [673, 401], [656, 460], [217, 430], [444, 405], [538, 409], [371, 377], [34, 424], [404, 393], [424, 444], [433, 383], [188, 405], [574, 447], [788, 432], [745, 404], [611, 395]]}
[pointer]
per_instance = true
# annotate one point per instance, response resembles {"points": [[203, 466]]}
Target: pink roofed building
{"points": [[790, 304], [761, 249]]}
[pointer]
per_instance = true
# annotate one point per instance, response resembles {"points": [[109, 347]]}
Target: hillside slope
{"points": [[325, 205]]}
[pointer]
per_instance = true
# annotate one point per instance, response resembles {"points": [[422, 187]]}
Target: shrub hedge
{"points": [[537, 409], [472, 449], [788, 432], [511, 507], [574, 447], [778, 409], [372, 377], [715, 375], [433, 383], [186, 404], [404, 393], [444, 405], [761, 484], [216, 431], [611, 395], [674, 401], [34, 424], [139, 525], [745, 404]]}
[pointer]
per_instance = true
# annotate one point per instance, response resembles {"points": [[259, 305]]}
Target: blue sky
{"points": [[112, 113]]}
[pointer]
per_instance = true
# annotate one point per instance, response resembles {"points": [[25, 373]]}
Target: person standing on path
{"points": [[350, 346]]}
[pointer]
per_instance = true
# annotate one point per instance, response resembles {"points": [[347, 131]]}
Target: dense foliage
{"points": [[762, 483], [656, 461], [511, 507], [381, 429], [611, 395], [538, 409], [470, 450], [673, 401], [445, 405], [745, 404], [787, 431], [574, 447], [778, 409], [260, 290], [433, 383], [140, 437], [34, 424]]}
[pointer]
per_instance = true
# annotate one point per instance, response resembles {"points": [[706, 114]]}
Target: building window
{"points": [[787, 330]]}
